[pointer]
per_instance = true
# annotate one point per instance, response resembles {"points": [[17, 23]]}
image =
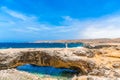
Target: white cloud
{"points": [[14, 14], [17, 15], [33, 28], [20, 30], [103, 32], [104, 27]]}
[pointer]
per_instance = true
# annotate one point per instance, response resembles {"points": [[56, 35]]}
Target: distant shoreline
{"points": [[100, 40]]}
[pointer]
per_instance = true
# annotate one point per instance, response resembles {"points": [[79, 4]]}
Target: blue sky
{"points": [[31, 20]]}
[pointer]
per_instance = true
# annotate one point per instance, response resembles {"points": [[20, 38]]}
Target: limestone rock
{"points": [[67, 58], [13, 74], [96, 64]]}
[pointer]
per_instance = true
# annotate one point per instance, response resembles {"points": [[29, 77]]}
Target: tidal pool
{"points": [[59, 73]]}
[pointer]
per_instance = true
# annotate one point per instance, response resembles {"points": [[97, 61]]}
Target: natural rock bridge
{"points": [[99, 64], [78, 59]]}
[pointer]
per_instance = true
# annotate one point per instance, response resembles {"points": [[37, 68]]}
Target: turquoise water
{"points": [[38, 45], [59, 73]]}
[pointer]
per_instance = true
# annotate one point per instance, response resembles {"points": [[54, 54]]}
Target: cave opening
{"points": [[43, 71]]}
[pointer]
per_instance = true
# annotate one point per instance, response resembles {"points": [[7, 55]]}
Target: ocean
{"points": [[39, 45]]}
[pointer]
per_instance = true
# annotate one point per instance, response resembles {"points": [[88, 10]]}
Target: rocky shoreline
{"points": [[90, 41], [91, 63]]}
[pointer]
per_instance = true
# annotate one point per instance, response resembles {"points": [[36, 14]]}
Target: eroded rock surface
{"points": [[95, 64], [62, 58], [13, 74]]}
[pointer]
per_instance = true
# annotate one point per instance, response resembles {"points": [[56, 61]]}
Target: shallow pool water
{"points": [[59, 73]]}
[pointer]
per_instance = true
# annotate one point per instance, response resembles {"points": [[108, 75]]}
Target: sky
{"points": [[33, 20]]}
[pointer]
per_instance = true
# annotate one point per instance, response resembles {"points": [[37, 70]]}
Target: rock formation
{"points": [[13, 74], [92, 64], [77, 59]]}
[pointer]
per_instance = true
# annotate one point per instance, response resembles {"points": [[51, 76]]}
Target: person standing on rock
{"points": [[66, 45]]}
